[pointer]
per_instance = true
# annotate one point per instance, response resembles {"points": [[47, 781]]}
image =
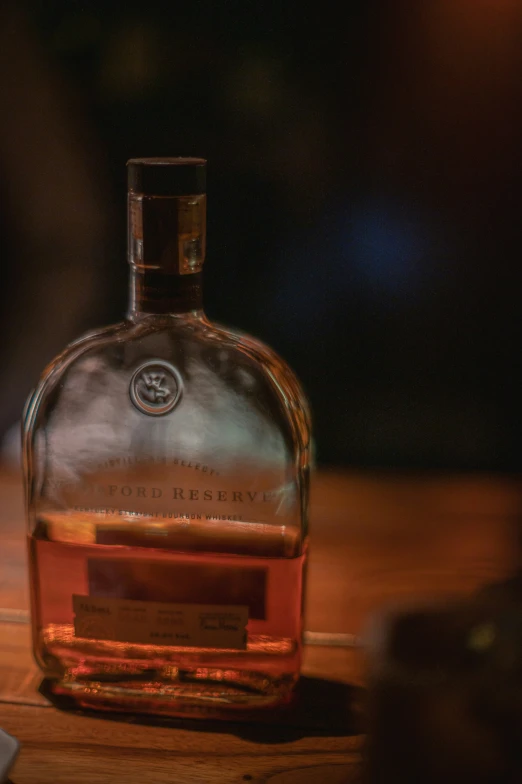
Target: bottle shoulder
{"points": [[274, 367], [92, 341], [155, 332], [225, 373], [192, 340]]}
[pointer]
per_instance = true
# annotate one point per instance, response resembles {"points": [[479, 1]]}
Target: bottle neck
{"points": [[166, 247], [152, 292]]}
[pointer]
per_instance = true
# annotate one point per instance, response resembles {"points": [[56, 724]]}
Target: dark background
{"points": [[364, 199]]}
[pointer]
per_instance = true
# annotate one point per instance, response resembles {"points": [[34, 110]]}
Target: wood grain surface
{"points": [[375, 540]]}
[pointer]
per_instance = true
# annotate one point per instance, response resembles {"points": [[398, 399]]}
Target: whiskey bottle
{"points": [[166, 465]]}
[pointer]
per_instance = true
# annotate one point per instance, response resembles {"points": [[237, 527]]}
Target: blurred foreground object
{"points": [[446, 692], [9, 748]]}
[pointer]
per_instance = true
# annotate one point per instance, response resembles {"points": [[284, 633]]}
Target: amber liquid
{"points": [[69, 559]]}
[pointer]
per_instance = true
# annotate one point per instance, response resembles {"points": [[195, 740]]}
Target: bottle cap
{"points": [[167, 176]]}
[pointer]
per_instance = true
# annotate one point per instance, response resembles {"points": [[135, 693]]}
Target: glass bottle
{"points": [[166, 479]]}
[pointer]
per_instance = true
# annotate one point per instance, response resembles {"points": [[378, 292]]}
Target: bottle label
{"points": [[184, 581], [168, 487], [160, 623]]}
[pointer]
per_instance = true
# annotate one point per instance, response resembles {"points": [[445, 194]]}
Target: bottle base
{"points": [[218, 694], [168, 681]]}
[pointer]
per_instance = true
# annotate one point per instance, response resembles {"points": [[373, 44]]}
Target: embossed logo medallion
{"points": [[155, 387]]}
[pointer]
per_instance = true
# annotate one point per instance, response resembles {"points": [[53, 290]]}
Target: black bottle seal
{"points": [[167, 176]]}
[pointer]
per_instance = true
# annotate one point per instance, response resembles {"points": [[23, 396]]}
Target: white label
{"points": [[160, 623]]}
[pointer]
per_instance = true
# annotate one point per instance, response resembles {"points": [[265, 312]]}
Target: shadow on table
{"points": [[320, 707]]}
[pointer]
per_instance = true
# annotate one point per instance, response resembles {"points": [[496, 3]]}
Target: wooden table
{"points": [[375, 539]]}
